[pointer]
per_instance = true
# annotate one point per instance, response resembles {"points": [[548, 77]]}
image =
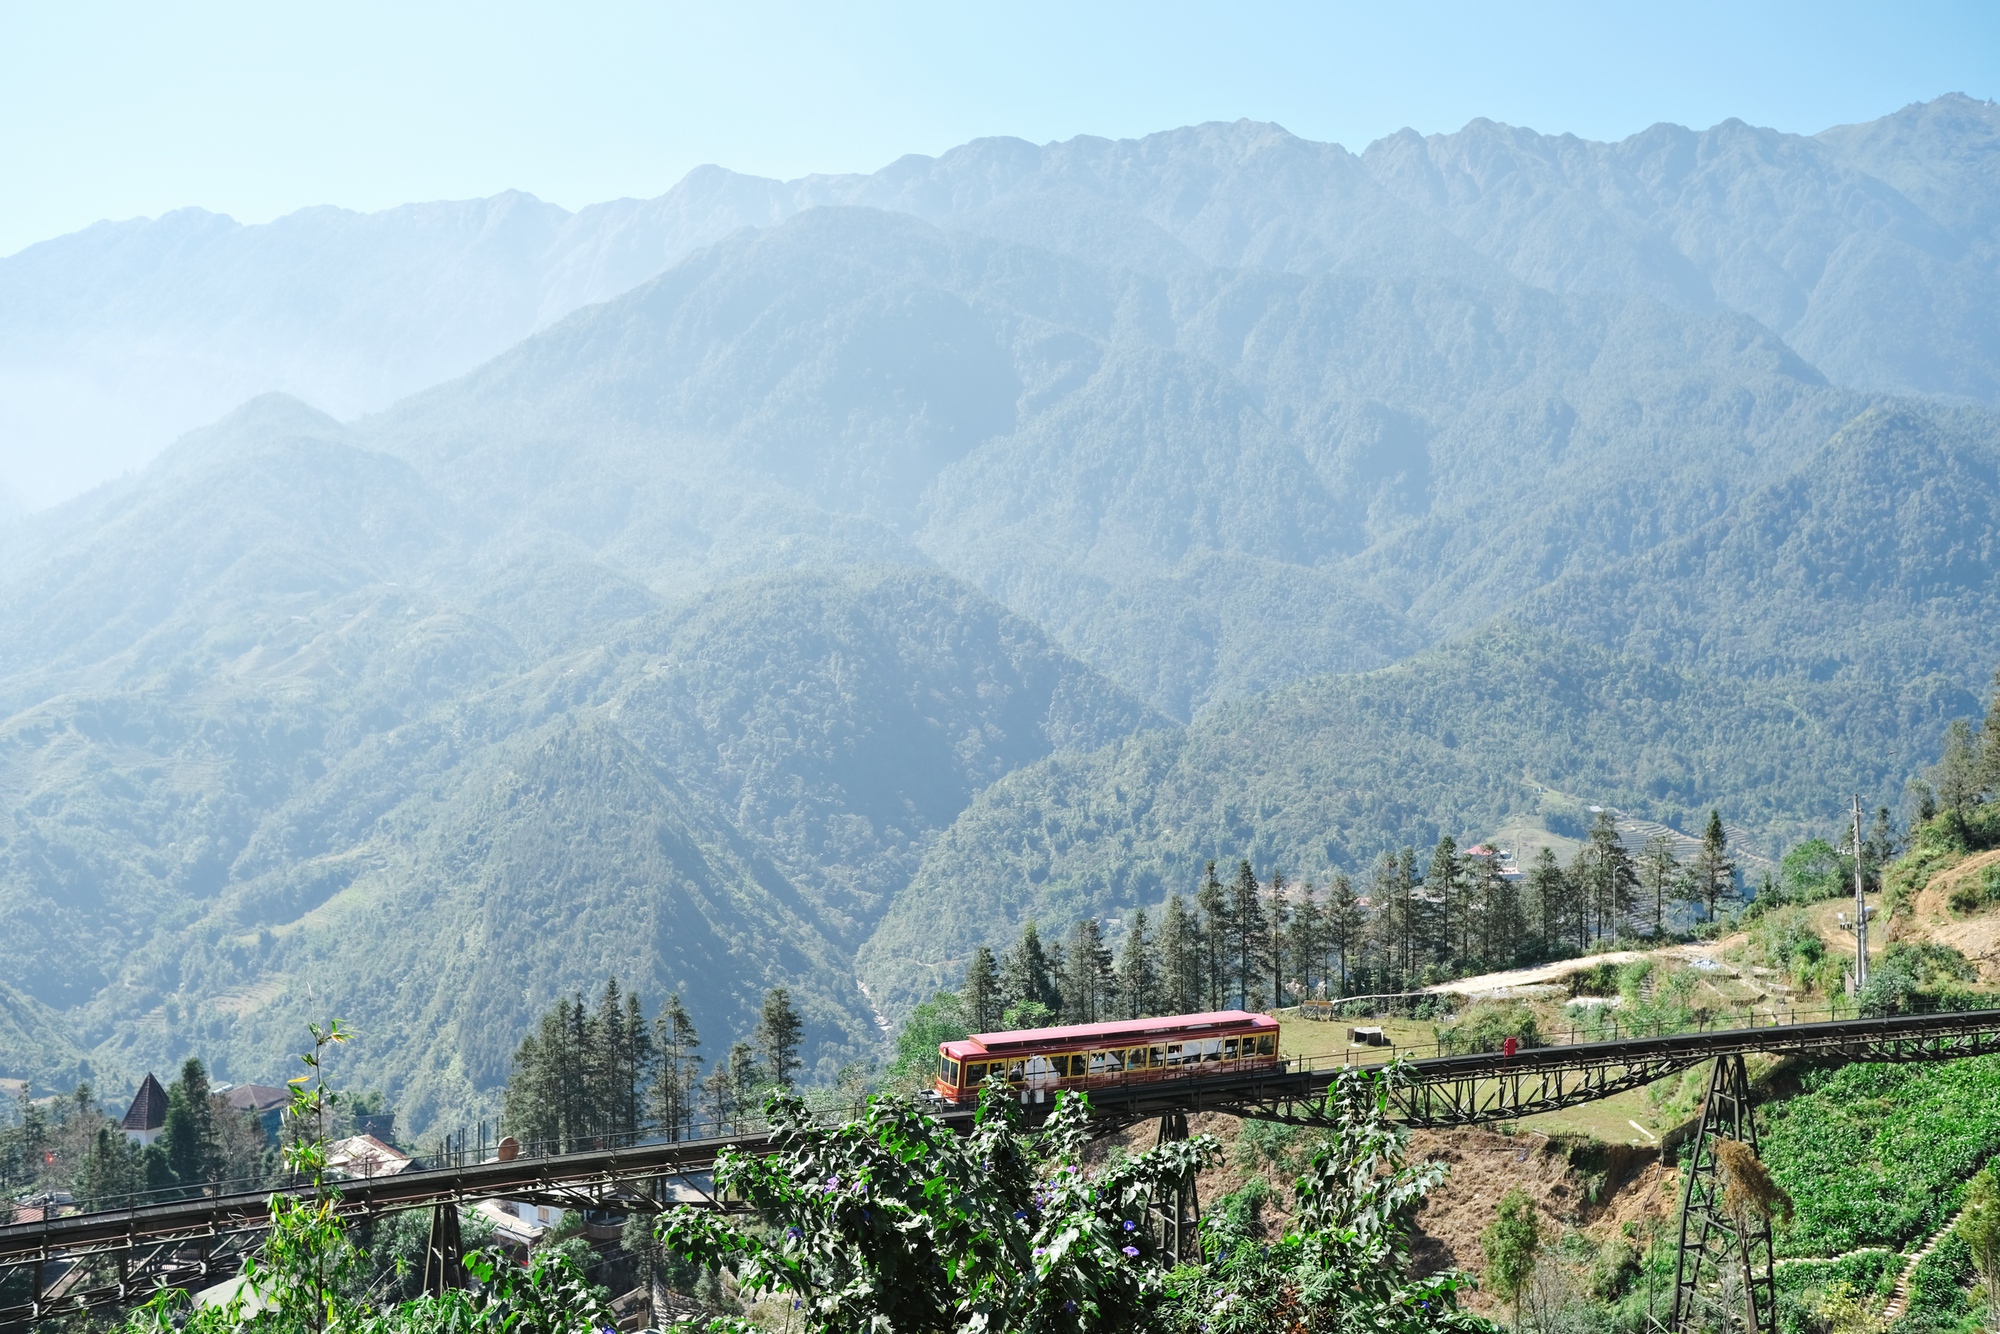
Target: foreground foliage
{"points": [[894, 1222]]}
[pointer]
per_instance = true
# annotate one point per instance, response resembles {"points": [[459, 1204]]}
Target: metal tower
{"points": [[1724, 1278]]}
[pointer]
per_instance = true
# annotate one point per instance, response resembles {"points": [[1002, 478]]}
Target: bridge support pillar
{"points": [[1724, 1276], [1176, 1209], [444, 1256]]}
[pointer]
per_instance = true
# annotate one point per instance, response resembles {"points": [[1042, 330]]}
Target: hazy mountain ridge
{"points": [[121, 336], [1351, 465]]}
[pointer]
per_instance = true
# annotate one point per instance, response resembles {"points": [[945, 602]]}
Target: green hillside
{"points": [[1877, 558], [1327, 774]]}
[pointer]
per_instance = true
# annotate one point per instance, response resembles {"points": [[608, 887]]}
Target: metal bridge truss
{"points": [[120, 1256]]}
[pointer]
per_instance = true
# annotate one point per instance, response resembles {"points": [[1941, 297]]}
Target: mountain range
{"points": [[807, 582]]}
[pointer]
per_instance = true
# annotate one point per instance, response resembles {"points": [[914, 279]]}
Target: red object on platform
{"points": [[1509, 1047]]}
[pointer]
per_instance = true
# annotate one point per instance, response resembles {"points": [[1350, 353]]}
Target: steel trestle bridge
{"points": [[117, 1256]]}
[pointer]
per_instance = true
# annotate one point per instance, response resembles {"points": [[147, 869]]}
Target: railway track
{"points": [[130, 1252]]}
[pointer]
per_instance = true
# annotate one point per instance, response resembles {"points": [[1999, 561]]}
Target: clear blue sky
{"points": [[254, 109]]}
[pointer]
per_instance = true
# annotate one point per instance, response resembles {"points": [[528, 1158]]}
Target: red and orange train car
{"points": [[1037, 1062]]}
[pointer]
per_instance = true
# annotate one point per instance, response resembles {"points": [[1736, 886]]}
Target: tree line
{"points": [[1249, 943], [597, 1077]]}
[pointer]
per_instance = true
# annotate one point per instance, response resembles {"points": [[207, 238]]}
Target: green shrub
{"points": [[1877, 1155], [1939, 1289], [1916, 976], [1786, 940], [1974, 893], [1487, 1026], [1600, 979]]}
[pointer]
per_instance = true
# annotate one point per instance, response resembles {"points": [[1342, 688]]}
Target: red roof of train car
{"points": [[1135, 1030]]}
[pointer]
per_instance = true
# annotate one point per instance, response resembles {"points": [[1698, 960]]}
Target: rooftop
{"points": [[365, 1156], [149, 1107]]}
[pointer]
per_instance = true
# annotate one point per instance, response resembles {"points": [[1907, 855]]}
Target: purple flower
{"points": [[1132, 1251], [1019, 1215], [1131, 1226]]}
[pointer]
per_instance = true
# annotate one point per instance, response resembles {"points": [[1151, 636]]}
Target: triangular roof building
{"points": [[148, 1112]]}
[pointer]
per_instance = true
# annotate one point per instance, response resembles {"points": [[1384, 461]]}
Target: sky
{"points": [[255, 109]]}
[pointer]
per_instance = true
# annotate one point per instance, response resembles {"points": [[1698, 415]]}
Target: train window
{"points": [[1174, 1056], [1114, 1062], [1156, 1056], [1211, 1050], [1017, 1070], [950, 1072], [1267, 1045], [1229, 1049], [975, 1073], [1100, 1062]]}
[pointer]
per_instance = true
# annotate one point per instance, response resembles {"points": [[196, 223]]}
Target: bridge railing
{"points": [[1611, 1028]]}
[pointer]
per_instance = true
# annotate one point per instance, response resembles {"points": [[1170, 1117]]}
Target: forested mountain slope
{"points": [[1879, 557], [360, 755], [1326, 775]]}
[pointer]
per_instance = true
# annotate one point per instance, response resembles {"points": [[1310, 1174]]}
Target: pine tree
{"points": [[193, 1143], [1342, 934], [779, 1033], [616, 1066], [1089, 982], [1181, 972], [1714, 875], [1304, 942], [1879, 848], [1277, 933], [1399, 919], [1659, 872], [1583, 913], [1987, 773], [719, 1092], [679, 1072], [1444, 896], [1216, 931], [1957, 776], [1247, 937], [1612, 878], [1548, 893], [1138, 975], [114, 1169], [1497, 909], [982, 991], [1027, 974], [747, 1078]]}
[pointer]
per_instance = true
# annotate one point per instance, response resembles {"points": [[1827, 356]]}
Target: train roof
{"points": [[1113, 1033]]}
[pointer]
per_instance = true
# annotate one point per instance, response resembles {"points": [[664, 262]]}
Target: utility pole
{"points": [[1860, 906]]}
